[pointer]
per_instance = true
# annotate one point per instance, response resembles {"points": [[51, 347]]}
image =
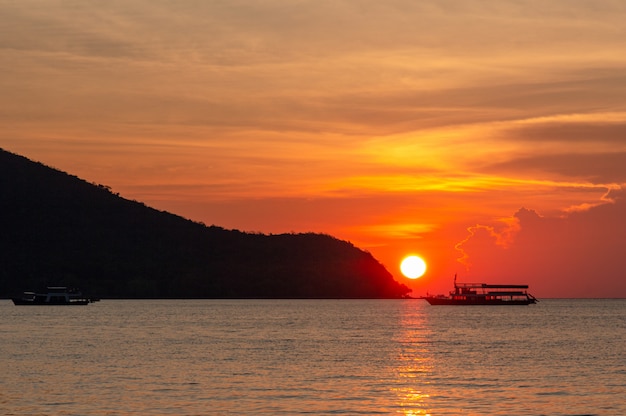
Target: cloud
{"points": [[580, 254], [577, 147], [598, 133], [597, 168], [501, 235]]}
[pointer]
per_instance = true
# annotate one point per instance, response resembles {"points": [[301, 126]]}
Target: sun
{"points": [[413, 267]]}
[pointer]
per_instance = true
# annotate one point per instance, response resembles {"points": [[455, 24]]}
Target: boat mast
{"points": [[456, 288]]}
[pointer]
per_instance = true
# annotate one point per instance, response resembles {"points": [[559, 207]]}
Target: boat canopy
{"points": [[488, 286]]}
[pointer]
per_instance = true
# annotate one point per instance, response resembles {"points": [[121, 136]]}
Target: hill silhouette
{"points": [[57, 229]]}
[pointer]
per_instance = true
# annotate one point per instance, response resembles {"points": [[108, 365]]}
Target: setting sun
{"points": [[413, 267]]}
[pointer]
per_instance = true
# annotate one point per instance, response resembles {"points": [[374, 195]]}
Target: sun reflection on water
{"points": [[414, 362]]}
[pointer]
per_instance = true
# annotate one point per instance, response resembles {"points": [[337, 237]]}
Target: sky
{"points": [[488, 137]]}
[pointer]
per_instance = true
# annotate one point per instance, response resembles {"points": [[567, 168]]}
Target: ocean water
{"points": [[320, 357]]}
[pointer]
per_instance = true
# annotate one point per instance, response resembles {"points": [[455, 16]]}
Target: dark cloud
{"points": [[600, 168], [590, 151], [572, 133]]}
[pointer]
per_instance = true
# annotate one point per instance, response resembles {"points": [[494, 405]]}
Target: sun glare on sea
{"points": [[413, 267]]}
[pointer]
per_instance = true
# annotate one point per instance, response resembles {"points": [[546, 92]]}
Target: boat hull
{"points": [[30, 302], [476, 301]]}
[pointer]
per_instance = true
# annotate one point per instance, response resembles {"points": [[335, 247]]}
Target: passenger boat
{"points": [[484, 294], [56, 295]]}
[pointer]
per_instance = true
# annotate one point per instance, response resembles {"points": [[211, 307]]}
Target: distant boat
{"points": [[56, 295], [484, 294]]}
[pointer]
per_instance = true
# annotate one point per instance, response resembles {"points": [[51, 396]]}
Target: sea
{"points": [[313, 357]]}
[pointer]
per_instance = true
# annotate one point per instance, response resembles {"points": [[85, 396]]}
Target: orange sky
{"points": [[488, 137]]}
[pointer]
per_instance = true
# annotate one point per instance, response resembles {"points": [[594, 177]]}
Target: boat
{"points": [[55, 295], [484, 294]]}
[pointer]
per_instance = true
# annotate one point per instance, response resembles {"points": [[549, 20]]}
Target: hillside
{"points": [[56, 229]]}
